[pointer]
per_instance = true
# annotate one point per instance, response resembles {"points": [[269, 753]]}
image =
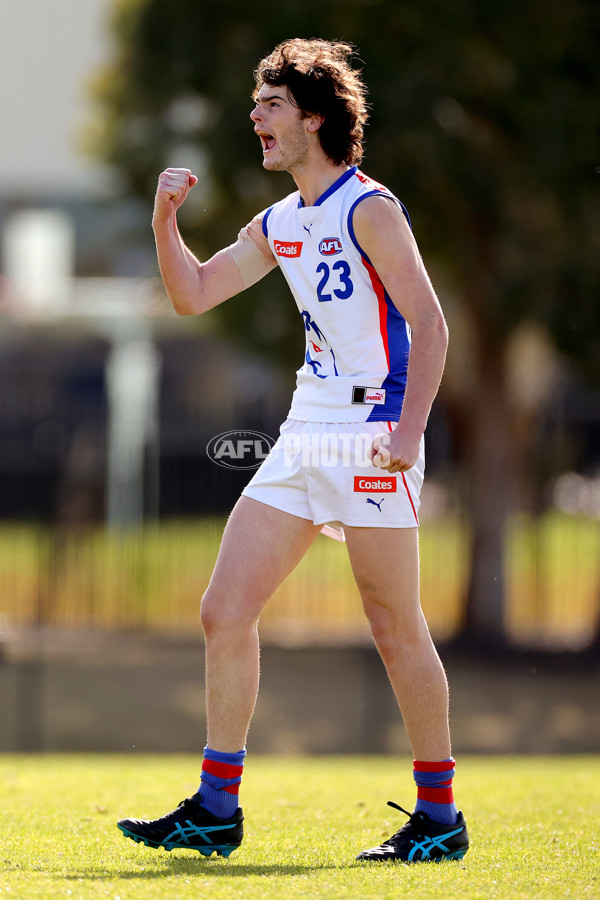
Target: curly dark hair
{"points": [[322, 82]]}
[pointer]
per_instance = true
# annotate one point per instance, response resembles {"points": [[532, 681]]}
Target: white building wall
{"points": [[49, 50]]}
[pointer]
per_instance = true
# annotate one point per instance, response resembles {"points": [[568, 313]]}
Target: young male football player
{"points": [[375, 349]]}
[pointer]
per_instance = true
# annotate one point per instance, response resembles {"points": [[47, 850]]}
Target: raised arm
{"points": [[383, 233], [194, 287]]}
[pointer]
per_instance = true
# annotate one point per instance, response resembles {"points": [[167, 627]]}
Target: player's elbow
{"points": [[190, 298], [441, 336], [181, 305], [441, 330], [433, 329], [430, 335]]}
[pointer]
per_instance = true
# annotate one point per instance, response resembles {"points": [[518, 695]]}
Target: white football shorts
{"points": [[322, 472]]}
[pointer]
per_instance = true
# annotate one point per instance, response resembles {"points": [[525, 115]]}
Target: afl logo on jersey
{"points": [[330, 246]]}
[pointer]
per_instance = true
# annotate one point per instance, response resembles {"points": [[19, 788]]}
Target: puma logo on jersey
{"points": [[376, 396]]}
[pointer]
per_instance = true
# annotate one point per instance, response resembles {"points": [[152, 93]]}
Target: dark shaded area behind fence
{"points": [[61, 691], [65, 562]]}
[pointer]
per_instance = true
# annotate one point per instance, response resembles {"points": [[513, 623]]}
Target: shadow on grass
{"points": [[201, 868]]}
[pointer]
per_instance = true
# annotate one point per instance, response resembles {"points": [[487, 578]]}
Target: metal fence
{"points": [[153, 578], [70, 555]]}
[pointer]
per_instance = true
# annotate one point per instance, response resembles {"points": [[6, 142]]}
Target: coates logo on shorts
{"points": [[239, 449], [330, 246], [375, 484], [291, 249]]}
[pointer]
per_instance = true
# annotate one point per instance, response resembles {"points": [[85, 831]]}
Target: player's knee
{"points": [[213, 612], [392, 632], [225, 613], [385, 639]]}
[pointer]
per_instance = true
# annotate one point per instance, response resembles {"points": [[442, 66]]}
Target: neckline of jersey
{"points": [[331, 189]]}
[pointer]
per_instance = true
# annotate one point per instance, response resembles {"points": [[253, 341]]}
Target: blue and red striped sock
{"points": [[434, 790], [220, 782]]}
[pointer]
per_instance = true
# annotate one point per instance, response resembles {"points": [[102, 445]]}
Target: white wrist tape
{"points": [[251, 263]]}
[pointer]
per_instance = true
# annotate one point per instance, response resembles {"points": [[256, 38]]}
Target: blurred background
{"points": [[485, 122]]}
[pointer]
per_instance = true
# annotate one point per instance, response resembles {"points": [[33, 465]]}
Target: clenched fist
{"points": [[173, 187], [395, 452]]}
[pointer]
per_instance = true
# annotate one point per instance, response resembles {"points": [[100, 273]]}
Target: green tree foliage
{"points": [[485, 122]]}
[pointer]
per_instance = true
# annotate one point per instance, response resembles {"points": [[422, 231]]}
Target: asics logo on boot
{"points": [[183, 833], [430, 843]]}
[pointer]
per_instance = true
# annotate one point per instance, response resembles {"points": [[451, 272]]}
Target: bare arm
{"points": [[383, 232], [194, 287]]}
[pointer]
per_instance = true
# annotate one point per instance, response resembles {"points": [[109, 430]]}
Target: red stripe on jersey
{"points": [[383, 310], [417, 521], [370, 182]]}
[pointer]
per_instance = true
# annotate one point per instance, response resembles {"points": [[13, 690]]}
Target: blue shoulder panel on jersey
{"points": [[264, 221]]}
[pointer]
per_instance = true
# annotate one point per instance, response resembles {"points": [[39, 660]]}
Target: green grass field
{"points": [[533, 824]]}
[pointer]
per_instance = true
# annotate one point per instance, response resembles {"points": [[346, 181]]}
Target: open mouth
{"points": [[267, 140]]}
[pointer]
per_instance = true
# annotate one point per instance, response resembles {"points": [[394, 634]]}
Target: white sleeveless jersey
{"points": [[357, 343]]}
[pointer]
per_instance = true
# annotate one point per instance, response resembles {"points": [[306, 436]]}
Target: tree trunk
{"points": [[491, 475]]}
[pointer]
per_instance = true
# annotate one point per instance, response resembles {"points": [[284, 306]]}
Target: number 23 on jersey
{"points": [[334, 282]]}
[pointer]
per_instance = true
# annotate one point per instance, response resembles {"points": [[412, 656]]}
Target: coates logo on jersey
{"points": [[291, 249], [374, 485], [330, 246]]}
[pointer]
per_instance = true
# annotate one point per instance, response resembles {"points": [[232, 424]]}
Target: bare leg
{"points": [[385, 563], [261, 545]]}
